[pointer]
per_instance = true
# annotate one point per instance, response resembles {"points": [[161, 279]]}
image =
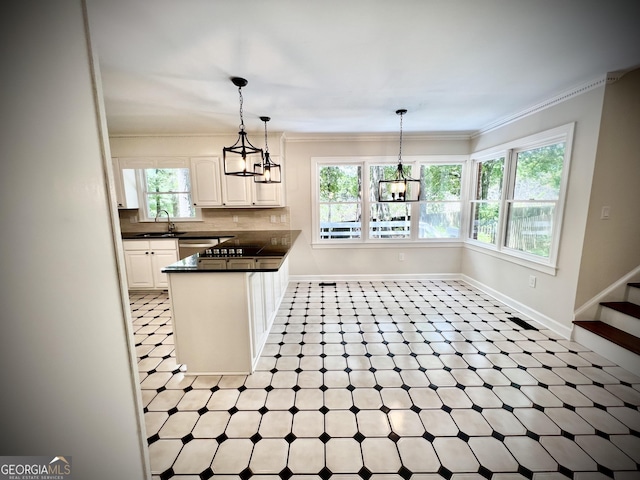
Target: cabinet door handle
{"points": [[146, 253]]}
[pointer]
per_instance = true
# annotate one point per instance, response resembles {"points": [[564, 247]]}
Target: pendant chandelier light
{"points": [[401, 188], [271, 172], [235, 157]]}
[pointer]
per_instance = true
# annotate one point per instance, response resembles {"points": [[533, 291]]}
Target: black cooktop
{"points": [[230, 251]]}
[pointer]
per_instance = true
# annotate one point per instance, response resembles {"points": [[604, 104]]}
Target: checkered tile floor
{"points": [[390, 380]]}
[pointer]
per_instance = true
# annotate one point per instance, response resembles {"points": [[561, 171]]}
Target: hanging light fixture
{"points": [[235, 157], [271, 172], [401, 188]]}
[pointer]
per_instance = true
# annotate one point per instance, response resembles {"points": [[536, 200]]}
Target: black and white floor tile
{"points": [[417, 380]]}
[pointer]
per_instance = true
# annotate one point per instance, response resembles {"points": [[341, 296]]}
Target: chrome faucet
{"points": [[170, 226]]}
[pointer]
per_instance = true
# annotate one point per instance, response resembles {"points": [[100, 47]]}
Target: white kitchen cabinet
{"points": [[267, 194], [257, 313], [144, 261], [236, 191], [206, 189], [244, 192], [126, 185], [221, 320]]}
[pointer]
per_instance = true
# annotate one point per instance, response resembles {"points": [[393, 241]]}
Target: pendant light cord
{"points": [[241, 117], [400, 152]]}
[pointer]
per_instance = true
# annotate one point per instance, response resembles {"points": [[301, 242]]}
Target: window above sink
{"points": [[163, 184]]}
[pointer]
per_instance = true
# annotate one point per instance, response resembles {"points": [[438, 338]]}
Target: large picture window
{"points": [[518, 194], [347, 208]]}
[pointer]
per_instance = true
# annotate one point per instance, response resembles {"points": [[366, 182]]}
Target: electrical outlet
{"points": [[401, 257], [274, 219], [532, 281], [235, 218], [283, 218], [605, 213]]}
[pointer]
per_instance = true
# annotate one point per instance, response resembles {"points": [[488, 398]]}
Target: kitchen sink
{"points": [[160, 234]]}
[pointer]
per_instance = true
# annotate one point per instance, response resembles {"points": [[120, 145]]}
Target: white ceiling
{"points": [[346, 66]]}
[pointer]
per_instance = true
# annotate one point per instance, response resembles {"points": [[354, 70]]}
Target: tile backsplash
{"points": [[215, 219]]}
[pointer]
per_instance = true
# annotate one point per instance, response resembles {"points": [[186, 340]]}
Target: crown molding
{"points": [[372, 137], [165, 135], [551, 102]]}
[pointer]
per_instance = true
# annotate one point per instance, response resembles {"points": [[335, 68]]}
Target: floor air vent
{"points": [[522, 323], [327, 284]]}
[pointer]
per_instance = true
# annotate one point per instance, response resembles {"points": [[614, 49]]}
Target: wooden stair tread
{"points": [[613, 334], [627, 308]]}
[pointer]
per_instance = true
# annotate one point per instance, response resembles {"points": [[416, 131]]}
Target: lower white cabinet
{"points": [[221, 320], [145, 259], [258, 312]]}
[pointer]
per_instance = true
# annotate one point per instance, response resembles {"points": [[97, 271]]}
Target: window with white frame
{"points": [[347, 210], [440, 206], [486, 200], [167, 191], [340, 201], [163, 185], [518, 196], [387, 220]]}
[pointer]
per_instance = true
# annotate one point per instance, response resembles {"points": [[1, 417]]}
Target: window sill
{"points": [[533, 265], [444, 243]]}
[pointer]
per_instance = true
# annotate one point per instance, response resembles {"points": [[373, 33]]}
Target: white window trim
{"points": [[564, 134], [365, 162]]}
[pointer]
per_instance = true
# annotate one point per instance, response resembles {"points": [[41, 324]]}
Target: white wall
{"points": [[307, 260], [68, 385], [185, 145], [612, 247], [553, 298]]}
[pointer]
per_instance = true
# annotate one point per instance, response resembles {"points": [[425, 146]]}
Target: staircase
{"points": [[616, 335]]}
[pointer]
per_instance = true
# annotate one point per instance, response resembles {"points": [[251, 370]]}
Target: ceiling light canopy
{"points": [[271, 172], [401, 188], [235, 157]]}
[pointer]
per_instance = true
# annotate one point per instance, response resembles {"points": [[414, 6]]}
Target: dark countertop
{"points": [[192, 235], [273, 245]]}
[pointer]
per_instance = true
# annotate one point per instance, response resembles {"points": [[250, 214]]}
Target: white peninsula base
{"points": [[221, 320]]}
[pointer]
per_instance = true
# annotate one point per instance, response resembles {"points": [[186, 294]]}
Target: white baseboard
{"points": [[374, 277], [534, 315]]}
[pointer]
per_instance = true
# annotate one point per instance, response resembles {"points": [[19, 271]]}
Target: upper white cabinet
{"points": [[210, 187], [244, 192], [205, 182], [126, 187]]}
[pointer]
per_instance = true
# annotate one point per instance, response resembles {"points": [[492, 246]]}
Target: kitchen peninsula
{"points": [[225, 298]]}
